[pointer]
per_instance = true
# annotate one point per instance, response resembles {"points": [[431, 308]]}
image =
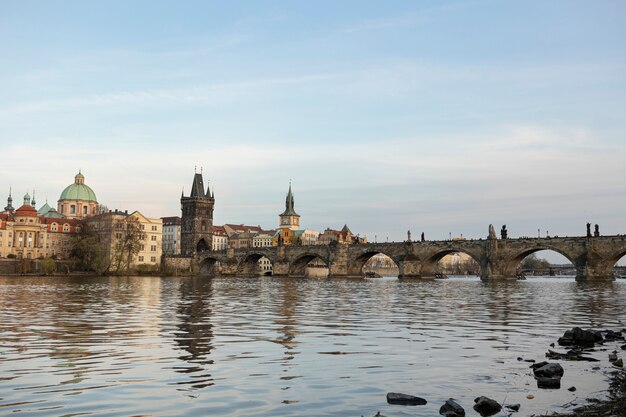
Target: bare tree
{"points": [[128, 240]]}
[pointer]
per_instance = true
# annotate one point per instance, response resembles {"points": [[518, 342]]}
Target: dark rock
{"points": [[379, 415], [619, 363], [404, 399], [513, 407], [611, 335], [585, 337], [571, 389], [623, 347], [530, 360], [552, 344], [486, 406], [519, 358], [549, 370], [538, 365], [451, 409], [547, 382], [612, 356]]}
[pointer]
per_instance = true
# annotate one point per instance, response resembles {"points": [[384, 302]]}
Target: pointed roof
{"points": [[44, 209], [197, 188], [289, 203], [346, 229]]}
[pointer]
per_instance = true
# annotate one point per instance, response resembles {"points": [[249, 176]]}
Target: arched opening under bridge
{"points": [[210, 267], [255, 264], [448, 262], [309, 265], [619, 268], [541, 262], [375, 265], [458, 264]]}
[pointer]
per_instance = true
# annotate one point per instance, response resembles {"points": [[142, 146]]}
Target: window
{"points": [[141, 226], [72, 209], [153, 238], [118, 235], [154, 228], [85, 210], [153, 258], [141, 259], [142, 248], [153, 248], [53, 227]]}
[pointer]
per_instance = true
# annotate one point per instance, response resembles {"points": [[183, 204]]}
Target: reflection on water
{"points": [[121, 346]]}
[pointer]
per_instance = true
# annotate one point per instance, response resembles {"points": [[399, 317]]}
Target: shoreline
{"points": [[613, 406]]}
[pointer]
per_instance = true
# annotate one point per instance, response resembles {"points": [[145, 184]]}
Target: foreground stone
{"points": [[451, 409], [580, 337], [486, 406], [404, 399], [549, 370], [548, 382], [513, 407]]}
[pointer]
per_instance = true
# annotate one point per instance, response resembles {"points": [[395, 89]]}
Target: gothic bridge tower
{"points": [[197, 219]]}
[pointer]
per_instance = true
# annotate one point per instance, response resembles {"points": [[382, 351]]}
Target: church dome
{"points": [[78, 191]]}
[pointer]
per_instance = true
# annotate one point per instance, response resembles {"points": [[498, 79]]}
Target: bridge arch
{"points": [[358, 263], [514, 263], [298, 266], [210, 267], [431, 266], [250, 266]]}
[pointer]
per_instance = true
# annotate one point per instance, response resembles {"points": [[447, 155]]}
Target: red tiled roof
{"points": [[167, 221], [26, 210]]}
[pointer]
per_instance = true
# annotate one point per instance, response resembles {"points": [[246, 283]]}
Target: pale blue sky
{"points": [[434, 116]]}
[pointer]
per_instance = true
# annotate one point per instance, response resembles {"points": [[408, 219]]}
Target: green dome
{"points": [[78, 190]]}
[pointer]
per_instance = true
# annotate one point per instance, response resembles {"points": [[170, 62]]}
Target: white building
{"points": [[220, 238], [171, 235]]}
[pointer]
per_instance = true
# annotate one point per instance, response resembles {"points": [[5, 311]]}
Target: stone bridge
{"points": [[593, 257]]}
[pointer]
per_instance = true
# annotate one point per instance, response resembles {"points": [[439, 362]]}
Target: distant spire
{"points": [[289, 204], [27, 199], [33, 203], [9, 206], [182, 193]]}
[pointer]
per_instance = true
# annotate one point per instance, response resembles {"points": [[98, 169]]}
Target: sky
{"points": [[439, 117]]}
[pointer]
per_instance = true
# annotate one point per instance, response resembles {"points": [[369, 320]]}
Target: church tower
{"points": [[289, 219], [197, 219], [9, 208]]}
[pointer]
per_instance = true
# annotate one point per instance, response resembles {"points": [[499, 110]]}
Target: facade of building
{"points": [[344, 236], [263, 239], [78, 201], [24, 233], [197, 218], [220, 238], [171, 235], [122, 233]]}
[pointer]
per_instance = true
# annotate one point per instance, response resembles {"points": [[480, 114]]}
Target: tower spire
{"points": [[33, 203], [9, 206]]}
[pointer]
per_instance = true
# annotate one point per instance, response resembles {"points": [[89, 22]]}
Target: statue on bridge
{"points": [[492, 232], [408, 236], [596, 231], [588, 229], [504, 234], [423, 239]]}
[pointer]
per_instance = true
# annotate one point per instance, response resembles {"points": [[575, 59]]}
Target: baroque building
{"points": [[78, 200], [197, 218]]}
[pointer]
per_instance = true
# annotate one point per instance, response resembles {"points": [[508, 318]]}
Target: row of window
{"points": [[152, 259]]}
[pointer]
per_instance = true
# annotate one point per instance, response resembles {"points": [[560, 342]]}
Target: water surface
{"points": [[149, 346]]}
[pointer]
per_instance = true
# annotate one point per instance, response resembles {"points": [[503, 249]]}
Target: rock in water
{"points": [[619, 363], [404, 399], [452, 409], [571, 389], [613, 356], [549, 370], [486, 406], [513, 407], [548, 382]]}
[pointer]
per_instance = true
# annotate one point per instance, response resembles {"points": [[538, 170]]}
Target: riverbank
{"points": [[614, 406]]}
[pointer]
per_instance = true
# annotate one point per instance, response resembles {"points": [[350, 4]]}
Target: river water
{"points": [[149, 346]]}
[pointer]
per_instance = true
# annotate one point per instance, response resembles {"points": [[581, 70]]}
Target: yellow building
{"points": [[26, 234], [128, 240]]}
